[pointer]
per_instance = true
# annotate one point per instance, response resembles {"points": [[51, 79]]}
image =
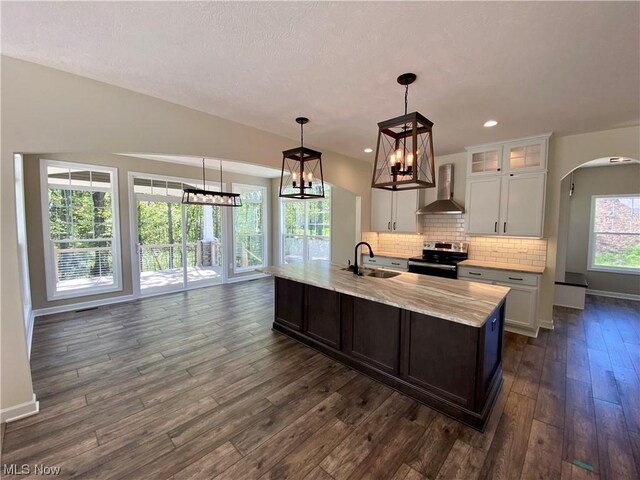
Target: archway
{"points": [[590, 256]]}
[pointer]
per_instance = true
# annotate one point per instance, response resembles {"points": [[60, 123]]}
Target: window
{"points": [[80, 227], [306, 229], [614, 243], [249, 228]]}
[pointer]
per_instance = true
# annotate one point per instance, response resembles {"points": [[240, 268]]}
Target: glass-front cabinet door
{"points": [[529, 155], [484, 160]]}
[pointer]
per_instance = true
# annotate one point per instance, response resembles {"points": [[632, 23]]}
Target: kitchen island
{"points": [[435, 339]]}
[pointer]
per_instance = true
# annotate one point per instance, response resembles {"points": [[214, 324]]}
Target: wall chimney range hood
{"points": [[444, 205]]}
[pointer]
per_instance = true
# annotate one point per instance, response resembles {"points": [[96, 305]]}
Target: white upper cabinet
{"points": [[395, 212], [516, 156], [522, 209], [525, 155], [483, 160], [483, 194], [506, 188], [405, 204], [381, 204]]}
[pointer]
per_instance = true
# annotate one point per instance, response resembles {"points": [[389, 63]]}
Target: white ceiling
{"points": [[213, 164], [566, 67]]}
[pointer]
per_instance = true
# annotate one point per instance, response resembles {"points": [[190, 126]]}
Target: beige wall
{"points": [[46, 110], [124, 166], [621, 179]]}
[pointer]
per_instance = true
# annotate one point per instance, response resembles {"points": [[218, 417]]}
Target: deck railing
{"points": [[168, 256]]}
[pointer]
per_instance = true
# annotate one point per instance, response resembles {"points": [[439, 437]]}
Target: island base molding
{"points": [[451, 367]]}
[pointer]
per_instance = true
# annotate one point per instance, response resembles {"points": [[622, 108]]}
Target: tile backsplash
{"points": [[525, 251]]}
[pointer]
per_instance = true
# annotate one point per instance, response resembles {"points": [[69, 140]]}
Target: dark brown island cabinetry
{"points": [[450, 366]]}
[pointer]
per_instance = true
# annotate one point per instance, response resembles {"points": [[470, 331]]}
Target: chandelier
{"points": [[197, 196], [301, 175], [404, 153]]}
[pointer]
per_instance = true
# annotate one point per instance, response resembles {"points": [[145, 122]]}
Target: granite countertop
{"points": [[513, 267], [459, 301]]}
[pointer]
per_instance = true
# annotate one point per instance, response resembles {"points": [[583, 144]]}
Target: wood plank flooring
{"points": [[197, 385]]}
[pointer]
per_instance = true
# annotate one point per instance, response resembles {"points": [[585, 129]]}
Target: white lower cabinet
{"points": [[522, 301], [392, 263], [521, 307]]}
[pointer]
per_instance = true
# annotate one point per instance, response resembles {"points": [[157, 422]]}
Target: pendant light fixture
{"points": [[196, 196], [404, 153], [301, 175]]}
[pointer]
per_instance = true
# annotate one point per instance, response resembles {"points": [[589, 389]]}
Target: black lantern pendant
{"points": [[197, 196], [301, 175], [404, 153]]}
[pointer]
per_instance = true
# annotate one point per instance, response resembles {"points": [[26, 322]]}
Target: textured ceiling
{"points": [[535, 67]]}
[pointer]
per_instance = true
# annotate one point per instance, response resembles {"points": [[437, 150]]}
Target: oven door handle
{"points": [[432, 265]]}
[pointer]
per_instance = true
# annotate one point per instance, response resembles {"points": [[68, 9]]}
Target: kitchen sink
{"points": [[371, 272], [383, 274]]}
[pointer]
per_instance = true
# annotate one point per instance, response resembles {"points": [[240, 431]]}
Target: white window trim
{"points": [[597, 268], [306, 225], [50, 274], [265, 236]]}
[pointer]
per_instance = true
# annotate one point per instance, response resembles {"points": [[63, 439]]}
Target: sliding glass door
{"points": [[177, 246], [160, 253], [204, 244]]}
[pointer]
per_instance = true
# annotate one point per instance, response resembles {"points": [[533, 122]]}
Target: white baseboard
{"points": [[546, 324], [20, 411], [246, 278], [623, 296], [522, 331], [82, 305]]}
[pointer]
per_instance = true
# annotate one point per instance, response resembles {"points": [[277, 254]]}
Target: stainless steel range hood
{"points": [[444, 205]]}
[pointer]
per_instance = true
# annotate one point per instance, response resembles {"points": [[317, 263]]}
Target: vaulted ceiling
{"points": [[535, 67]]}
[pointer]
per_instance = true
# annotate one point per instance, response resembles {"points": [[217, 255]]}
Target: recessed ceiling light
{"points": [[490, 123], [368, 150]]}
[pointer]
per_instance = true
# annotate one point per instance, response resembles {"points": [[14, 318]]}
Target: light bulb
{"points": [[392, 159], [310, 177], [399, 155], [410, 159], [295, 176]]}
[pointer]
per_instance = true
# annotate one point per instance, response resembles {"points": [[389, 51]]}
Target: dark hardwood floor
{"points": [[196, 385]]}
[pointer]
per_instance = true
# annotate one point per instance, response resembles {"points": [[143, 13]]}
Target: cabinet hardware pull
{"points": [[504, 228], [498, 170], [389, 226], [516, 278], [394, 225], [493, 324], [474, 273], [495, 227], [394, 263]]}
